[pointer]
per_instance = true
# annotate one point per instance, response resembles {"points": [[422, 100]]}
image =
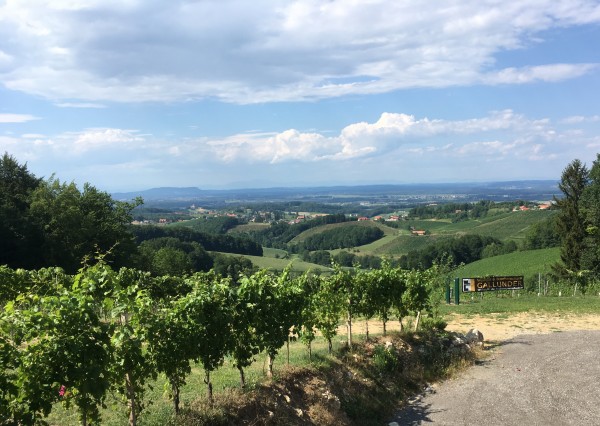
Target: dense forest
{"points": [[48, 223], [211, 242], [346, 237], [211, 225], [53, 223]]}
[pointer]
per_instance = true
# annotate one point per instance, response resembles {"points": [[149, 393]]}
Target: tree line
{"points": [[75, 338], [342, 258], [212, 242], [46, 222], [342, 237], [278, 235], [464, 249], [454, 211], [212, 225]]}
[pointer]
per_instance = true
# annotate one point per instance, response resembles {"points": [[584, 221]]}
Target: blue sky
{"points": [[134, 94]]}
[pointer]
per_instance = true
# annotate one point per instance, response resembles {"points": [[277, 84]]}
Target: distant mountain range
{"points": [[498, 191]]}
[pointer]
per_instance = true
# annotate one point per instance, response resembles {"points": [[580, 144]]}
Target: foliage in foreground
{"points": [[74, 339], [362, 387]]}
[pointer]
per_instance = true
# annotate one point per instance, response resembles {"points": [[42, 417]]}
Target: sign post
{"points": [[492, 283]]}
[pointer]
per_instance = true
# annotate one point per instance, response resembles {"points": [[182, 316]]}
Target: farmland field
{"points": [[273, 252], [504, 226], [249, 227]]}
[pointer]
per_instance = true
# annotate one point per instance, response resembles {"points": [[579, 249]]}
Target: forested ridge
{"points": [[48, 223], [342, 237], [209, 241]]}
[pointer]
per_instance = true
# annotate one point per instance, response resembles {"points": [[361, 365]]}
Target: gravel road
{"points": [[545, 379]]}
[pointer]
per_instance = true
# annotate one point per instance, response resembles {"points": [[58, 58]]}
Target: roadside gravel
{"points": [[543, 379]]}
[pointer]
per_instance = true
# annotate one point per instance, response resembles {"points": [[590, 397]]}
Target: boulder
{"points": [[474, 337], [459, 340]]}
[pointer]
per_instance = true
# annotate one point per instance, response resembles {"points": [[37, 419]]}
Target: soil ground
{"points": [[531, 379], [499, 327], [531, 375]]}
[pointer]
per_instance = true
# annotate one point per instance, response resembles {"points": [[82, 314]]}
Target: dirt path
{"points": [[499, 327], [543, 379], [542, 369]]}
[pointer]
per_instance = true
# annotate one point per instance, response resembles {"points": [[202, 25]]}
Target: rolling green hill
{"points": [[504, 226], [249, 227], [399, 245], [527, 263]]}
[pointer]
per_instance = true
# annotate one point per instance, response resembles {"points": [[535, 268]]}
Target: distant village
{"points": [[291, 217]]}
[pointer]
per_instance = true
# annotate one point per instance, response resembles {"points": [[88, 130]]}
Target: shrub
{"points": [[385, 359], [433, 324]]}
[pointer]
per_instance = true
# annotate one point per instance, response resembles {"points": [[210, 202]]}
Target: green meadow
{"points": [[527, 263]]}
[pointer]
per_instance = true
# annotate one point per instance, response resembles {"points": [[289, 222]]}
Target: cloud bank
{"points": [[398, 147], [84, 52]]}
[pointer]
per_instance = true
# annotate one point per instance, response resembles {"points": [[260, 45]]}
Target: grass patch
{"points": [[274, 253], [505, 303], [275, 264], [249, 227], [527, 263]]}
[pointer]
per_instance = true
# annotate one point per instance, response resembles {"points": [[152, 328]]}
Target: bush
{"points": [[433, 324], [385, 359]]}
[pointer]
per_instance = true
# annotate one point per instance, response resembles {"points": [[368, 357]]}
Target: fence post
{"points": [[457, 291]]}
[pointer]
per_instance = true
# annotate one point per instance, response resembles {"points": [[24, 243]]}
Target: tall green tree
{"points": [[76, 224], [571, 218], [170, 256], [19, 238], [590, 260]]}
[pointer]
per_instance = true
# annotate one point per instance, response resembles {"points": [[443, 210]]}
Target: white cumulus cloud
{"points": [[392, 132], [90, 51]]}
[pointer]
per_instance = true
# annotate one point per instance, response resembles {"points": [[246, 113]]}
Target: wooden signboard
{"points": [[493, 283]]}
